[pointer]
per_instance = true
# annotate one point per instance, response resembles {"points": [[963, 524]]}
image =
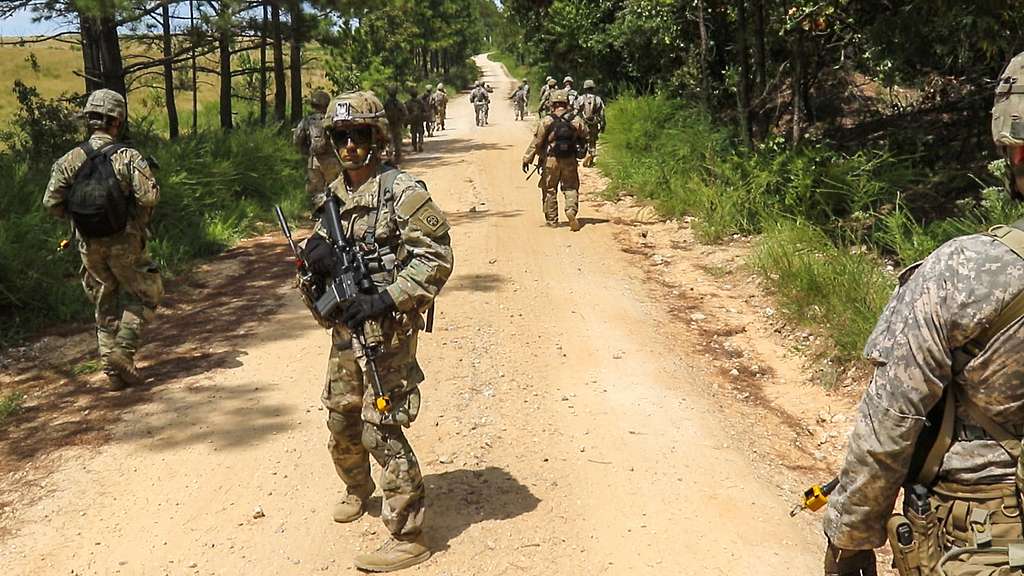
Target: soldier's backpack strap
{"points": [[1013, 238], [385, 196]]}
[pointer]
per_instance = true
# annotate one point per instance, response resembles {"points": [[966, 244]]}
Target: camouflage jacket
{"points": [[411, 228], [307, 129], [439, 100], [396, 113], [596, 109], [428, 104], [958, 290], [543, 135], [131, 169], [414, 110]]}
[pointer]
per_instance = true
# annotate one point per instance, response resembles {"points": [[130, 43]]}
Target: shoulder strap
{"points": [[1006, 439], [943, 439], [385, 195]]}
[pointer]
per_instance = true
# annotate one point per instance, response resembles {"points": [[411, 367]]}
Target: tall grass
{"points": [[216, 188], [827, 219]]}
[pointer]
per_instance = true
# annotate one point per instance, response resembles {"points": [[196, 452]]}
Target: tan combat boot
{"points": [[394, 555], [114, 382], [125, 368], [574, 224], [352, 506]]}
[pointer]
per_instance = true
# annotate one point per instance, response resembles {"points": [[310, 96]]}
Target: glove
{"points": [[839, 562], [365, 307], [318, 255], [526, 167]]}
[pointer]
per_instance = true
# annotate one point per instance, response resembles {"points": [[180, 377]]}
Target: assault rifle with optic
{"points": [[326, 297]]}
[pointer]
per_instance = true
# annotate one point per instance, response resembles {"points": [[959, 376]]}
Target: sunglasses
{"points": [[360, 135]]}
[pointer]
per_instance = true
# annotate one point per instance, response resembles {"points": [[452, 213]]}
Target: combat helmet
{"points": [[106, 102], [1008, 121], [560, 97], [440, 86], [319, 99], [551, 82], [589, 84], [567, 80], [478, 83], [354, 110]]}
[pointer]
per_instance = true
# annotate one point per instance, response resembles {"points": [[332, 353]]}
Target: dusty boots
{"points": [[574, 224], [352, 506], [394, 555], [125, 369]]}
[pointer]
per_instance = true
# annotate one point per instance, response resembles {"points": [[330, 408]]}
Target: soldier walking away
{"points": [[396, 114], [559, 138], [440, 101], [942, 416], [519, 98], [545, 97], [480, 100], [570, 92], [403, 237], [526, 88], [428, 111], [590, 107], [108, 191], [415, 118], [322, 165]]}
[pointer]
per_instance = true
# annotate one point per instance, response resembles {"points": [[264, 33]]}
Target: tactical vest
{"points": [[96, 203], [562, 138]]}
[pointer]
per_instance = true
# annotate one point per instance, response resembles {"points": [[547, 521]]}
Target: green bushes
{"points": [[827, 219], [216, 188]]}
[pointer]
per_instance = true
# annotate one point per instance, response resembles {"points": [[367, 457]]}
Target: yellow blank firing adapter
{"points": [[63, 245], [383, 404], [816, 497]]}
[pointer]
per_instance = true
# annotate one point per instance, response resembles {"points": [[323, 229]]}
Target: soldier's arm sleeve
{"points": [[957, 290], [534, 148], [300, 136], [424, 230], [57, 187]]}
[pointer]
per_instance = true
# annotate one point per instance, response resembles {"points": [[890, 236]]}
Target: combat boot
{"points": [[574, 224], [125, 368], [394, 555], [114, 382], [352, 506]]}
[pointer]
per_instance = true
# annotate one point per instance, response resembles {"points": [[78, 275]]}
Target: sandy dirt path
{"points": [[560, 432]]}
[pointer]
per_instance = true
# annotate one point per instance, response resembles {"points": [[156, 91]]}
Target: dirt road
{"points": [[561, 433]]}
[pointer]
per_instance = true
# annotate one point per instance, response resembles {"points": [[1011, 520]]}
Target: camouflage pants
{"points": [[559, 172], [958, 516], [428, 126], [126, 287], [396, 144], [356, 429], [320, 172], [416, 132], [440, 114]]}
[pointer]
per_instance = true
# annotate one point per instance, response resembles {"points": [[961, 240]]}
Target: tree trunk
{"points": [[296, 61], [110, 56], [743, 80], [224, 45], [280, 90], [705, 78], [263, 67], [761, 65], [798, 84], [91, 66], [195, 75], [172, 109]]}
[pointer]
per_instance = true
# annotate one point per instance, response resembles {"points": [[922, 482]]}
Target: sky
{"points": [[21, 25]]}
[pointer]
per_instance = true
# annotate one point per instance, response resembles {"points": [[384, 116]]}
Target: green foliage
{"points": [[10, 404], [823, 285]]}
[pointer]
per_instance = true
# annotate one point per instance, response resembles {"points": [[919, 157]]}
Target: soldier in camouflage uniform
{"points": [[322, 165], [120, 277], [545, 97], [416, 117], [559, 163], [396, 113], [571, 93], [590, 107], [950, 339], [440, 101], [428, 111], [411, 254]]}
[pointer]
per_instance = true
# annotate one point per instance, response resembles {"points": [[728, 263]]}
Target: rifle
{"points": [[349, 278], [536, 169]]}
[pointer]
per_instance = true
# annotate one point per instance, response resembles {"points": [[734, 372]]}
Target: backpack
{"points": [[97, 205], [563, 138], [590, 109], [319, 142]]}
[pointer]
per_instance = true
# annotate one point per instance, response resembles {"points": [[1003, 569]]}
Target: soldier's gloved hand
{"points": [[526, 167], [840, 562], [318, 255], [365, 307]]}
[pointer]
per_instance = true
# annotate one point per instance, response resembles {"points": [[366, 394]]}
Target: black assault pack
{"points": [[564, 141], [97, 205]]}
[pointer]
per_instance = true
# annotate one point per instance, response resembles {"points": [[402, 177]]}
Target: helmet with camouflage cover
{"points": [[560, 97], [106, 102], [551, 82], [589, 84], [548, 79], [353, 110], [567, 80], [319, 100], [1008, 122], [440, 85], [478, 83]]}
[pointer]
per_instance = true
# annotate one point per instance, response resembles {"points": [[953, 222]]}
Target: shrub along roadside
{"points": [[829, 222], [216, 188]]}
